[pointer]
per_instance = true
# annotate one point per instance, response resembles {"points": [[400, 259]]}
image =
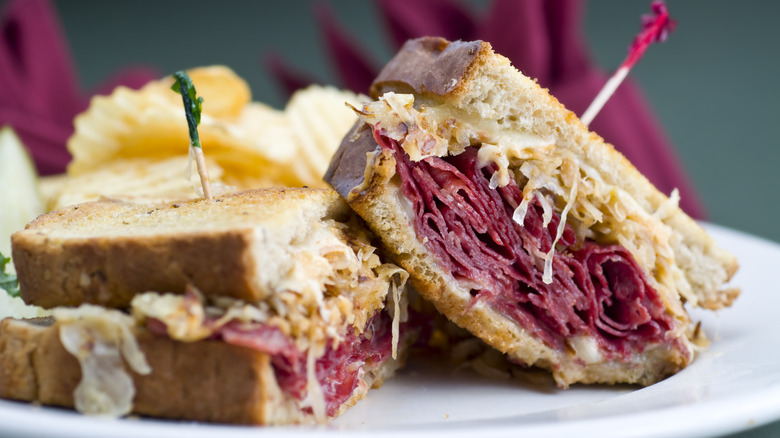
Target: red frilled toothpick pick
{"points": [[655, 28]]}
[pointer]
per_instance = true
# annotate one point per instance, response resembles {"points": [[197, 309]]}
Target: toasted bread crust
{"points": [[93, 271], [66, 258], [203, 381], [486, 91]]}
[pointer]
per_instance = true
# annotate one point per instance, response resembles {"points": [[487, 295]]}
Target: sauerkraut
{"points": [[557, 177]]}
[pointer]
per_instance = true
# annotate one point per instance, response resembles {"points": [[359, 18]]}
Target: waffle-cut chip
{"points": [[319, 119]]}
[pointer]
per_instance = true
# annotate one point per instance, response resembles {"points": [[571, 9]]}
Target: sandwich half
{"points": [[522, 226], [263, 307]]}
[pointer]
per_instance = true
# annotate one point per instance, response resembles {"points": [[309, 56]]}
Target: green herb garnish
{"points": [[193, 106], [8, 282]]}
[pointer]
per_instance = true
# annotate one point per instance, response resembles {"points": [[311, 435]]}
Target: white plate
{"points": [[733, 385]]}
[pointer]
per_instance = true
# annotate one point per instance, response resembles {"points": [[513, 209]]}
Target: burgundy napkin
{"points": [[544, 39], [40, 94]]}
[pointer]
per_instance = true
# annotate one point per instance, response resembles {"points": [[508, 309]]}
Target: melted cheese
{"points": [[586, 348], [100, 339], [183, 315]]}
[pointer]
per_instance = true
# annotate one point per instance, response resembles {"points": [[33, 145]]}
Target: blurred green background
{"points": [[713, 85]]}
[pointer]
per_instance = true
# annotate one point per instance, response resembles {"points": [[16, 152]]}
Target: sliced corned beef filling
{"points": [[597, 290], [339, 370]]}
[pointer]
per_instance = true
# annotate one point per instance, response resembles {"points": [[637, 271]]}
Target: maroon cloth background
{"points": [[39, 91], [542, 38]]}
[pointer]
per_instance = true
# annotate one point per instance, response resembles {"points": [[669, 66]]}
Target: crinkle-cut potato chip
{"points": [[132, 178], [320, 119], [255, 145], [150, 123], [226, 92]]}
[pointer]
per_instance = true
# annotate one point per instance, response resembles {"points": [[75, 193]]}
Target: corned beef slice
{"points": [[337, 370], [597, 290]]}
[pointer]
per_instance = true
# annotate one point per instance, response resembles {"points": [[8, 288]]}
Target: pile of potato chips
{"points": [[134, 143]]}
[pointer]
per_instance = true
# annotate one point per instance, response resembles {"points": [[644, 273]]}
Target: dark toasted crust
{"points": [[429, 66], [444, 65], [202, 381], [348, 166]]}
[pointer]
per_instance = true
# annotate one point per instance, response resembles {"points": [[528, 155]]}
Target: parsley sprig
{"points": [[193, 106], [8, 282]]}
